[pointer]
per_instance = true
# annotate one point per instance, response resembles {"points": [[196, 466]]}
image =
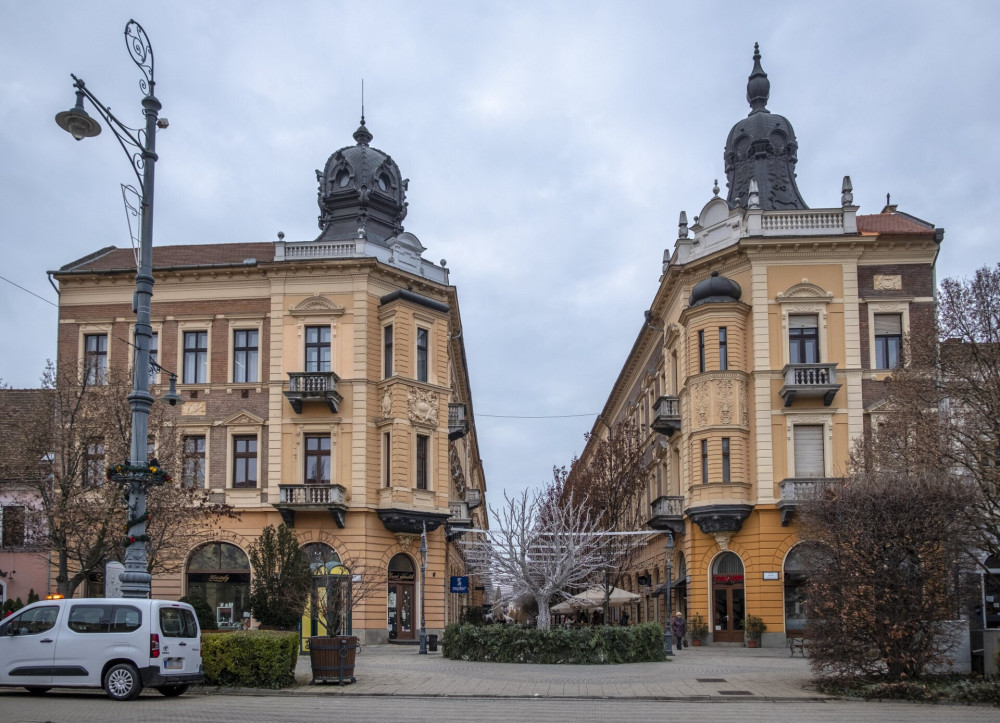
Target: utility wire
{"points": [[52, 303]]}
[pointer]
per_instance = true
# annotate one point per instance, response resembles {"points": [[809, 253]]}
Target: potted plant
{"points": [[698, 628], [753, 626]]}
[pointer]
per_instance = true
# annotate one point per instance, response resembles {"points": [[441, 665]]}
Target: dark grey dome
{"points": [[762, 147], [714, 289], [361, 193]]}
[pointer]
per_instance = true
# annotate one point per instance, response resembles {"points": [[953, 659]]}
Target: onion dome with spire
{"points": [[714, 289], [361, 193], [762, 148]]}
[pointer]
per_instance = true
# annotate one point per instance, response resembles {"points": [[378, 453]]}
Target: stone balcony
{"points": [[808, 381], [458, 425], [311, 498], [666, 415], [305, 387], [667, 514], [794, 491]]}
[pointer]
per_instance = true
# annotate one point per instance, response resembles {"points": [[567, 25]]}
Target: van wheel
{"points": [[122, 682], [172, 691], [37, 689]]}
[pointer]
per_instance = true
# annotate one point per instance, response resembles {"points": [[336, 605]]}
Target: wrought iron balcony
{"points": [[666, 415], [668, 514], [458, 426], [809, 380], [794, 491], [307, 498], [313, 387]]}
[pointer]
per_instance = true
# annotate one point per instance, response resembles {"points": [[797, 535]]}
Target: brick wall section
{"points": [[918, 280]]}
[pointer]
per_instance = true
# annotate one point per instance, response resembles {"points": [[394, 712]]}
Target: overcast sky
{"points": [[549, 145]]}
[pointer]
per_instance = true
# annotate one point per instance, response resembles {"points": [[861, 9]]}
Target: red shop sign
{"points": [[727, 578]]}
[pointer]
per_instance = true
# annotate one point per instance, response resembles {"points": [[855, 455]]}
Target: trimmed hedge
{"points": [[250, 659], [954, 688], [574, 646]]}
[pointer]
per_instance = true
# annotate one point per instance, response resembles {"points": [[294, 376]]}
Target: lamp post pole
{"points": [[667, 632], [423, 586], [140, 146]]}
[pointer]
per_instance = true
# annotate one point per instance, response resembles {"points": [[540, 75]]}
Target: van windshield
{"points": [[178, 623]]}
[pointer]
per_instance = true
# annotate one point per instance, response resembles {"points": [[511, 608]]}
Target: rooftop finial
{"points": [[758, 86], [362, 135], [362, 101]]}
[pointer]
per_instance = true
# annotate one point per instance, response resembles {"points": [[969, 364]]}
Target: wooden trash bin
{"points": [[332, 658]]}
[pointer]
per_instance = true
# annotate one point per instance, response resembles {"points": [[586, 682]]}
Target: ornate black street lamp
{"points": [[140, 146], [423, 585], [667, 631]]}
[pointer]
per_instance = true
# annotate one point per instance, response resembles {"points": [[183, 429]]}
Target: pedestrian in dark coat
{"points": [[678, 627]]}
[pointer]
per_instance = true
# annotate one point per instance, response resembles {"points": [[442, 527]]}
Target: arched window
{"points": [[728, 599], [220, 573]]}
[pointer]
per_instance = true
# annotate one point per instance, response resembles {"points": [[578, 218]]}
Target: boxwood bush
{"points": [[593, 645], [250, 659]]}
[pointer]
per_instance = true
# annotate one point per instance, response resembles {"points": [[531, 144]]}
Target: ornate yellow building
{"points": [[324, 385], [762, 356]]}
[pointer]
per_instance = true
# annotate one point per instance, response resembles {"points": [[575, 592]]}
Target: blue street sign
{"points": [[460, 585]]}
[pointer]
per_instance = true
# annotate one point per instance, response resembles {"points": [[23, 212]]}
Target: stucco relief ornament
{"points": [[726, 401], [407, 541], [423, 406], [723, 538], [387, 404], [744, 406], [701, 403]]}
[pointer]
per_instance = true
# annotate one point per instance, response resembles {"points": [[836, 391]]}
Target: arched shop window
{"points": [[400, 598], [329, 608], [220, 573], [728, 599], [796, 574]]}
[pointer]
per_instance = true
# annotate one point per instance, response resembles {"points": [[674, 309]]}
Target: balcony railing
{"points": [[458, 426], [795, 490], [666, 415], [668, 514], [301, 498], [809, 380], [459, 512], [313, 386]]}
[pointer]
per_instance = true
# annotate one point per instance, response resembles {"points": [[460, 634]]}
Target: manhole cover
{"points": [[711, 680], [735, 692]]}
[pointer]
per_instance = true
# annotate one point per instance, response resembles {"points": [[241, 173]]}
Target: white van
{"points": [[120, 644]]}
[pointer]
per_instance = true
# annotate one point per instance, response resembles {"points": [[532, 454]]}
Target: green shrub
{"points": [[250, 659], [514, 644], [206, 619], [955, 688]]}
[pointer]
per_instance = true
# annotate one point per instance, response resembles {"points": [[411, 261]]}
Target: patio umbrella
{"points": [[595, 595]]}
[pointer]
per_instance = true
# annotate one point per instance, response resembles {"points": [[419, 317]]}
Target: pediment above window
{"points": [[316, 306]]}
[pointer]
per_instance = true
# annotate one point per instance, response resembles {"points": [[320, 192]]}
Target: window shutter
{"points": [[809, 451], [803, 321], [888, 325]]}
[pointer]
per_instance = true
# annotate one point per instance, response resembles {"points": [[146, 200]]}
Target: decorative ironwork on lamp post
{"points": [[139, 145]]}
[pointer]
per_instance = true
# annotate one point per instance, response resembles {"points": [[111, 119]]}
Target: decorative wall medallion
{"points": [[407, 541], [387, 404], [723, 538], [701, 403], [423, 406], [888, 282], [726, 401], [193, 409]]}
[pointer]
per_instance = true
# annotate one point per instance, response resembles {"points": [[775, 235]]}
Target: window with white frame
{"points": [[245, 355], [195, 357], [810, 460], [888, 340], [244, 461], [95, 358]]}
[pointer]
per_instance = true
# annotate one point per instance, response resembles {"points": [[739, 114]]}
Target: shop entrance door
{"points": [[728, 599], [400, 611]]}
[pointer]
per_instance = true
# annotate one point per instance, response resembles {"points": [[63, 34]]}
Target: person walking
{"points": [[678, 627]]}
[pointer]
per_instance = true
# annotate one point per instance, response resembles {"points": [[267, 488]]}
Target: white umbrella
{"points": [[596, 595], [567, 607]]}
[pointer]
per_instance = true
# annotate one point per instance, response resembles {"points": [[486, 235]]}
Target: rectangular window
{"points": [[725, 459], [195, 357], [245, 350], [422, 336], [701, 350], [423, 442], [154, 350], [387, 351], [193, 464], [11, 526], [317, 348], [888, 340], [723, 349], [803, 339], [94, 470], [317, 459], [808, 440], [387, 460], [95, 358], [704, 461], [245, 461]]}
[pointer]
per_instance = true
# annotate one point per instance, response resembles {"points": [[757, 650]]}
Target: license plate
{"points": [[173, 664]]}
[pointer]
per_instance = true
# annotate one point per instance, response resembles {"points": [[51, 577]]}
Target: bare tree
{"points": [[610, 484], [539, 547]]}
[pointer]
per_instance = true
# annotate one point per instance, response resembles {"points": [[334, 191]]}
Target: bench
{"points": [[796, 644]]}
